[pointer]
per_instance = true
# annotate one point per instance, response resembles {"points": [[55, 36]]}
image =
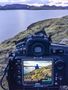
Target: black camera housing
{"points": [[38, 47]]}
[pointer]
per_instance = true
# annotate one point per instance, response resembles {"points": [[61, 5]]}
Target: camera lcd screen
{"points": [[38, 72]]}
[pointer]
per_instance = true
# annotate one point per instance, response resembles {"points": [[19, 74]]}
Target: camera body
{"points": [[38, 64]]}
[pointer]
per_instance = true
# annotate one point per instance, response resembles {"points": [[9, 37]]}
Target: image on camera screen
{"points": [[38, 71]]}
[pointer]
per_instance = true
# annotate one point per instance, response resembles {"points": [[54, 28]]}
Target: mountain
{"points": [[14, 6], [53, 7], [47, 7], [58, 27], [29, 7]]}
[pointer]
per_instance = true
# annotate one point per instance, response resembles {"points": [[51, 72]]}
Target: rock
{"points": [[64, 41]]}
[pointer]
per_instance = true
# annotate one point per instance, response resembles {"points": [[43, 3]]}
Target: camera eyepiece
{"points": [[37, 46]]}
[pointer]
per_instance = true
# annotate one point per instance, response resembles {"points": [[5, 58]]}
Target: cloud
{"points": [[30, 1], [58, 2], [38, 2], [3, 0]]}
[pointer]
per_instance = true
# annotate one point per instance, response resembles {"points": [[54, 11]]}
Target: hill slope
{"points": [[58, 27]]}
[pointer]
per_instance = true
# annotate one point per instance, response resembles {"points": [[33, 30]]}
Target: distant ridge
{"points": [[29, 7]]}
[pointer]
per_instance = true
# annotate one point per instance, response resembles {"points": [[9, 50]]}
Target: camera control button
{"points": [[56, 78], [56, 74], [19, 77], [19, 82], [18, 61], [60, 78], [19, 71], [56, 83]]}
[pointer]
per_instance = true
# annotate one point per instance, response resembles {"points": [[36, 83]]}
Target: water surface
{"points": [[15, 21]]}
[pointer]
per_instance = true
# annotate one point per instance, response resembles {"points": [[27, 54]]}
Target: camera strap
{"points": [[1, 81]]}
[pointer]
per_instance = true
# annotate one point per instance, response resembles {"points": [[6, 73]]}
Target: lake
{"points": [[15, 21]]}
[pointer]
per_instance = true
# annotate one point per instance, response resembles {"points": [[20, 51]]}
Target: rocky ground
{"points": [[58, 27]]}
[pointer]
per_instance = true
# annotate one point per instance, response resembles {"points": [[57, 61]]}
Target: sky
{"points": [[40, 63], [38, 2]]}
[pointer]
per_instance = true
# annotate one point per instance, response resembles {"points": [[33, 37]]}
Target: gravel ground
{"points": [[1, 88]]}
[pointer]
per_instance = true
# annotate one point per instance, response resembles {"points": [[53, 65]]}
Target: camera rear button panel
{"points": [[19, 72], [59, 71]]}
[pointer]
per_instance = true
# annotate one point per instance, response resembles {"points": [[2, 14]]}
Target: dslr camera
{"points": [[38, 64]]}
